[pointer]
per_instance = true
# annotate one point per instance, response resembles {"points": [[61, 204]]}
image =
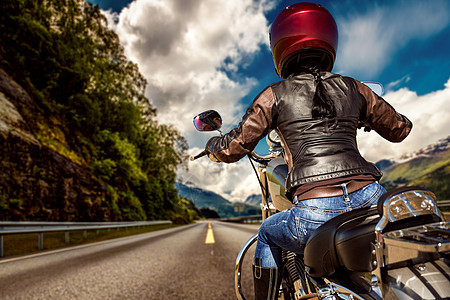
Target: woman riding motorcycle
{"points": [[316, 114]]}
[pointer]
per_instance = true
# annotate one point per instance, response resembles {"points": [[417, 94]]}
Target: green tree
{"points": [[65, 56]]}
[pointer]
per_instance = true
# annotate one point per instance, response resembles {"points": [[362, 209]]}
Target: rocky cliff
{"points": [[42, 174]]}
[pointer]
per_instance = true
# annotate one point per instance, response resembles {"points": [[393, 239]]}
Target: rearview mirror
{"points": [[376, 87], [208, 121]]}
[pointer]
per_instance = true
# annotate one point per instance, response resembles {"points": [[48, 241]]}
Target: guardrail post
{"points": [[67, 237], [85, 234], [1, 246], [41, 241]]}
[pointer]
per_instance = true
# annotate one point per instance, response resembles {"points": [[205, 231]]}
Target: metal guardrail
{"points": [[443, 203], [8, 228], [243, 219]]}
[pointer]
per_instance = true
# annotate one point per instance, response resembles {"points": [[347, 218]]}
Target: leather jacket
{"points": [[315, 149]]}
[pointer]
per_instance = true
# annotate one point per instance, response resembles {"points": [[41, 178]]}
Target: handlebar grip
{"points": [[203, 153]]}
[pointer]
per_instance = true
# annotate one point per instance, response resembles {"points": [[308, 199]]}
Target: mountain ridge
{"points": [[442, 145], [210, 200], [428, 167]]}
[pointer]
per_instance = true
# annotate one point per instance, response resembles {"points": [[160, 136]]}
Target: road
{"points": [[174, 263]]}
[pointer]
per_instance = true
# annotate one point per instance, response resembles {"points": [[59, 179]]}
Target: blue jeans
{"points": [[290, 229]]}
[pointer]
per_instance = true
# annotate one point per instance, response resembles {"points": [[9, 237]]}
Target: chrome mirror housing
{"points": [[376, 87], [209, 120]]}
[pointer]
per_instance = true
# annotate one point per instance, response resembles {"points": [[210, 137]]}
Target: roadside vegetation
{"points": [[92, 111]]}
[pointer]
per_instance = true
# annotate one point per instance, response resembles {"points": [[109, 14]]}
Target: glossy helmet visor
{"points": [[303, 28]]}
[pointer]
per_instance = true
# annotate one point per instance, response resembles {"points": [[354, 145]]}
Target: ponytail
{"points": [[323, 105]]}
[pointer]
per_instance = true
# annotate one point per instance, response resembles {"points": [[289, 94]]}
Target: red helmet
{"points": [[307, 29]]}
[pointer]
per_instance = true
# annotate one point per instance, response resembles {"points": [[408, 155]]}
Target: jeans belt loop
{"points": [[344, 189]]}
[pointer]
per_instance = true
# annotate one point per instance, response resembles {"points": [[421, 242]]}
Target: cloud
{"points": [[190, 51], [234, 182], [430, 114], [396, 83], [368, 41], [187, 51]]}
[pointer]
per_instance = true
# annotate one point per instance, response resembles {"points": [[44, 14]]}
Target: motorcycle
{"points": [[399, 249]]}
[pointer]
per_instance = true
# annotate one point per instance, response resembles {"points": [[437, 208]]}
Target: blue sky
{"points": [[210, 54], [425, 59]]}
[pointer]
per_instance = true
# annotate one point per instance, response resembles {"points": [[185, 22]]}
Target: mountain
{"points": [[254, 200], [384, 163], [208, 199], [429, 168]]}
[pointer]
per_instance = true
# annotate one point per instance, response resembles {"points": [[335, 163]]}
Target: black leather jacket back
{"points": [[321, 149]]}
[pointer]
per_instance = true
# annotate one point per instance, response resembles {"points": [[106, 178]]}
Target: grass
{"points": [[417, 167], [23, 244]]}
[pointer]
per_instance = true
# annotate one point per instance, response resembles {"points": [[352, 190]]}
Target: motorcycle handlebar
{"points": [[253, 155], [201, 154], [260, 158]]}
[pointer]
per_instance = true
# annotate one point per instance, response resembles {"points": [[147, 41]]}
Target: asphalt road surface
{"points": [[189, 262]]}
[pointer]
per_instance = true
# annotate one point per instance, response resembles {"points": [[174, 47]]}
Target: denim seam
{"points": [[370, 200], [320, 210], [373, 196], [311, 221]]}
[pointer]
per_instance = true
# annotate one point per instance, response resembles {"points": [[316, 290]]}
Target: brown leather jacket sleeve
{"points": [[382, 117], [255, 124]]}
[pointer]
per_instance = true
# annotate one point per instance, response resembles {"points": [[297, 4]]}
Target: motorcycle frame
{"points": [[267, 208]]}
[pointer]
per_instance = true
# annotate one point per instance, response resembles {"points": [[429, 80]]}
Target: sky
{"points": [[208, 54]]}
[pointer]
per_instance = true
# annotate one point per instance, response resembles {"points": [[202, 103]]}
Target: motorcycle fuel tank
{"points": [[276, 172]]}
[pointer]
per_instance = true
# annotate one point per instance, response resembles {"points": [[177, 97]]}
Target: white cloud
{"points": [[368, 42], [234, 182], [430, 115], [396, 83], [186, 49]]}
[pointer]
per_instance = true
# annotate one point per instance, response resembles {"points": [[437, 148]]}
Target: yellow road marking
{"points": [[209, 235]]}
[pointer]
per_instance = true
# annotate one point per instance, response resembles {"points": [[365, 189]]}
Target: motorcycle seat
{"points": [[343, 242], [346, 240]]}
